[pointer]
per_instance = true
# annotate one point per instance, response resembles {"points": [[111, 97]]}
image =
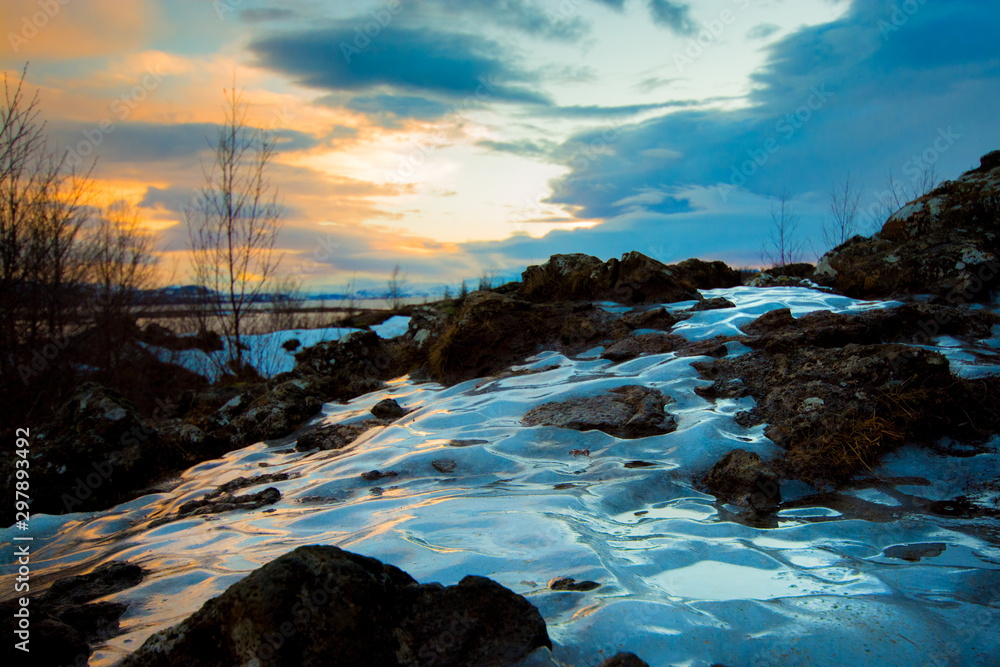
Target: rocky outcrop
{"points": [[387, 409], [65, 621], [946, 243], [837, 392], [99, 452], [718, 303], [626, 412], [633, 279], [320, 605], [742, 478]]}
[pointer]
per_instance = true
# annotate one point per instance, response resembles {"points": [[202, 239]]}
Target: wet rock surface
{"points": [[334, 607], [571, 584], [626, 412], [945, 243], [643, 344], [334, 436], [742, 478], [718, 303]]}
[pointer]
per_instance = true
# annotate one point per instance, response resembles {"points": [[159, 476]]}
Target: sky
{"points": [[457, 137]]}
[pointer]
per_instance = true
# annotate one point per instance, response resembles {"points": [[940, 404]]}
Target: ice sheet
{"points": [[681, 583]]}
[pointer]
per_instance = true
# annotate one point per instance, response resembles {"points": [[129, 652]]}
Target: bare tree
{"points": [[43, 206], [463, 291], [120, 263], [396, 284], [287, 299], [898, 194], [233, 225], [783, 245], [845, 200]]}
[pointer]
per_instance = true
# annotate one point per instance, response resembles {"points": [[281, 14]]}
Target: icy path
{"points": [[681, 584]]}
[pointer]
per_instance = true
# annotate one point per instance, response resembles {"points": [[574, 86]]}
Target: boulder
{"points": [[387, 409], [98, 452], [64, 620], [742, 478], [945, 243], [718, 303], [633, 279], [626, 412], [643, 344], [320, 605]]}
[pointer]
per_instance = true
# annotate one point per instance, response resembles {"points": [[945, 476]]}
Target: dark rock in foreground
{"points": [[388, 409], [623, 660], [65, 621], [320, 605], [742, 478], [626, 412]]}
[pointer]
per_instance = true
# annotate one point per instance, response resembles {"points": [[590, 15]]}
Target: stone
{"points": [[626, 412]]}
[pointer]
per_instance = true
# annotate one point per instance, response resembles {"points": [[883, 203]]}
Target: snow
{"points": [[392, 327], [265, 351], [681, 584]]}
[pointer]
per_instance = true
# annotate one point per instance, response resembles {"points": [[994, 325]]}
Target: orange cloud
{"points": [[59, 29]]}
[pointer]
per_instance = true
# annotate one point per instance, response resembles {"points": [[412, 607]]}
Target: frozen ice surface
{"points": [[680, 582]]}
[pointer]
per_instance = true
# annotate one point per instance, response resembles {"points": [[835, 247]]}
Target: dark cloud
{"points": [[762, 30], [673, 15], [408, 59], [391, 110], [132, 143], [522, 15], [267, 15], [831, 99]]}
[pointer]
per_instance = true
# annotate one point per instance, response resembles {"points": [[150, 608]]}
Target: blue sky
{"points": [[456, 136]]}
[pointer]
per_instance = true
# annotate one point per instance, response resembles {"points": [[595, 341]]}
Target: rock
{"points": [[330, 606], [626, 412], [334, 436], [658, 318], [945, 243], [623, 660], [388, 409], [764, 279], [491, 332], [643, 344], [571, 584], [635, 278], [284, 406], [291, 345], [837, 410], [64, 621], [444, 466], [718, 303], [99, 452], [910, 323], [226, 502], [707, 275], [742, 478], [375, 475]]}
